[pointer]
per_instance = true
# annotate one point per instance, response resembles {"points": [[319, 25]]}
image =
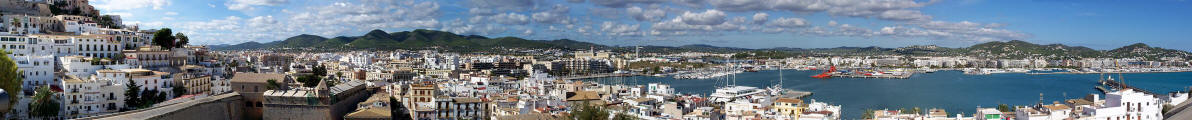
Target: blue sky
{"points": [[1099, 24]]}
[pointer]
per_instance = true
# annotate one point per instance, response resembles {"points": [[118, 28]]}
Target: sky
{"points": [[1098, 24]]}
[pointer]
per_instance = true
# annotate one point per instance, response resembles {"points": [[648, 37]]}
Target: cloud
{"points": [[624, 3], [645, 14], [556, 15], [248, 5], [510, 18], [490, 7], [171, 13], [899, 10], [677, 27], [129, 4], [615, 29], [904, 15], [964, 31], [742, 5], [789, 22], [760, 18], [463, 28], [709, 17]]}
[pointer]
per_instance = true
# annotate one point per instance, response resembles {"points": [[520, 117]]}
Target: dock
{"points": [[795, 94], [903, 76]]}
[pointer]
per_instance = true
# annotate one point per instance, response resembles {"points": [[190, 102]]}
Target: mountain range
{"points": [[422, 39]]}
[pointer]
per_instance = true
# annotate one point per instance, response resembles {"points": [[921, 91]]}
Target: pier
{"points": [[902, 76], [1118, 84]]}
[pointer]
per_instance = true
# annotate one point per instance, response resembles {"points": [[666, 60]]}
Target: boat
{"points": [[827, 74]]}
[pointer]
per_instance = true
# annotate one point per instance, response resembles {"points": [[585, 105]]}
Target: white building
{"points": [[82, 97], [1126, 104]]}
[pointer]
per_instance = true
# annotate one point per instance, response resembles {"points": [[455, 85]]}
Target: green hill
{"points": [[1146, 51], [430, 39], [1021, 49]]}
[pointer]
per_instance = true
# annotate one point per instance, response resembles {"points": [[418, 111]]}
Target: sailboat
{"points": [[777, 88]]}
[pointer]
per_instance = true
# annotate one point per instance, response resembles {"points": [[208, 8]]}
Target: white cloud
{"points": [[623, 3], [171, 13], [789, 22], [900, 10], [709, 17], [243, 5], [677, 27], [759, 18], [129, 4], [615, 29], [964, 30], [556, 15], [500, 6], [904, 15], [510, 19], [646, 14]]}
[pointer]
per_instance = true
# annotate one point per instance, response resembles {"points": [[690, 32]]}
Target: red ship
{"points": [[827, 74]]}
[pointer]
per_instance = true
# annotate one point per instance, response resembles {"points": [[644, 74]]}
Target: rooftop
{"points": [[256, 77]]}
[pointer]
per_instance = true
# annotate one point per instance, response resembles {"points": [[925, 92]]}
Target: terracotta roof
{"points": [[1057, 107], [789, 100], [376, 112]]}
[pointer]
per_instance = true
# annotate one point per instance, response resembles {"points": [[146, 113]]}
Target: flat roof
{"points": [[242, 77]]}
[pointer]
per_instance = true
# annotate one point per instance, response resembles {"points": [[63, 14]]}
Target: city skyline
{"points": [[730, 23]]}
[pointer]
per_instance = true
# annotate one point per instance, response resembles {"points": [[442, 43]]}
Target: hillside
{"points": [[1023, 49], [417, 39], [1146, 51], [430, 39]]}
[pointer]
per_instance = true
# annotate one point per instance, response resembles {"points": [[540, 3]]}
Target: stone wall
{"points": [[228, 106]]}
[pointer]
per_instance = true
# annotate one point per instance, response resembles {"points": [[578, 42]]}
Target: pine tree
{"points": [[10, 78], [164, 38], [132, 95]]}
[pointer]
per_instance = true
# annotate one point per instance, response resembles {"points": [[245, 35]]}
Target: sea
{"points": [[953, 91]]}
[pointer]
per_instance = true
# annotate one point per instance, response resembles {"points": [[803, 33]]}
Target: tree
{"points": [[589, 112], [148, 98], [132, 95], [320, 70], [179, 90], [1004, 108], [10, 78], [164, 38], [272, 84], [182, 40], [623, 116], [309, 80], [868, 114], [43, 104]]}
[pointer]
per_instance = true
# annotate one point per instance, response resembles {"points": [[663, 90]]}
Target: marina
{"points": [[949, 90]]}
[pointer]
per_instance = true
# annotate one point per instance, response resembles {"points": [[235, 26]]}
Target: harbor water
{"points": [[950, 90]]}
